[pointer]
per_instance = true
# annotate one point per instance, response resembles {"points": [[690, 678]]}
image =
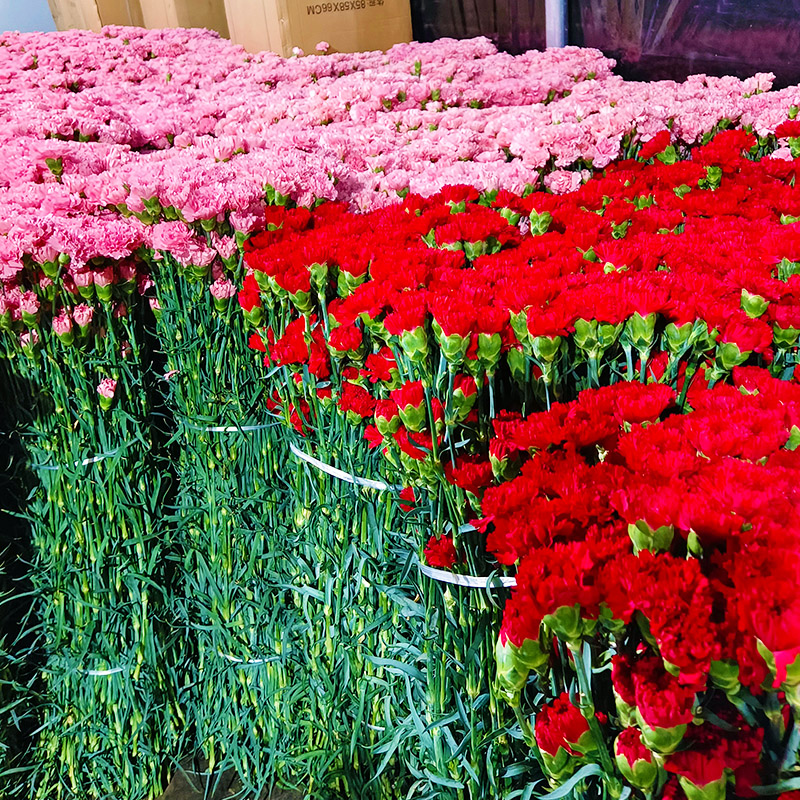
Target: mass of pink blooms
{"points": [[155, 139]]}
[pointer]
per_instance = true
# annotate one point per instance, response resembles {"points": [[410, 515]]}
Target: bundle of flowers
{"points": [[136, 163], [662, 545], [441, 313], [133, 125], [77, 392], [466, 332]]}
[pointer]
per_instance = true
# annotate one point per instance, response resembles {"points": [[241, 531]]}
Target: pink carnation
{"points": [[83, 315], [106, 388], [62, 324], [29, 303], [223, 289]]}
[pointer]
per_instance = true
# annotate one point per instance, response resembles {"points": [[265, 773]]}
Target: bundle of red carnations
{"points": [[512, 357]]}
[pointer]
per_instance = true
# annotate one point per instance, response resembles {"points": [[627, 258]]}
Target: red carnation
{"points": [[345, 338], [407, 494], [441, 552], [356, 400], [788, 130], [561, 724], [657, 144]]}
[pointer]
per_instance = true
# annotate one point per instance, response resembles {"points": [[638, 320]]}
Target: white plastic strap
{"points": [[101, 672], [234, 428], [470, 581], [338, 473], [243, 661], [85, 462]]}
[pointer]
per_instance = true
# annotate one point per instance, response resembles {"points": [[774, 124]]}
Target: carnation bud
{"points": [[640, 331], [514, 664], [784, 337], [6, 318], [82, 315], [387, 417], [410, 399], [646, 538], [415, 344], [85, 283], [29, 341], [725, 675], [504, 460], [222, 290], [465, 392], [634, 760], [519, 324], [754, 305], [490, 346], [546, 348], [567, 624], [106, 390], [155, 307], [265, 283], [51, 269], [729, 356], [30, 307], [539, 223], [585, 335], [676, 338], [62, 327], [660, 740], [516, 364], [104, 283]]}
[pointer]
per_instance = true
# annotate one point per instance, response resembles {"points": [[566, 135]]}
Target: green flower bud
{"points": [[519, 324], [566, 623], [640, 331], [415, 344], [725, 675], [547, 348], [729, 355], [489, 347], [645, 538], [514, 665], [715, 790], [754, 305], [661, 740], [635, 761], [540, 223]]}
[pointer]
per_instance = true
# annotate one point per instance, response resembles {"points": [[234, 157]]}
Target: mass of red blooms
{"points": [[604, 384]]}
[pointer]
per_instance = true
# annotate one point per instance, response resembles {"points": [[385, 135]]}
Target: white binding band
{"points": [[242, 661], [234, 428], [338, 473], [100, 672], [470, 581], [85, 462]]}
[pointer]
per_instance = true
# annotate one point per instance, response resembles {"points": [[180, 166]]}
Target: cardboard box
{"points": [[185, 14], [93, 14], [349, 26]]}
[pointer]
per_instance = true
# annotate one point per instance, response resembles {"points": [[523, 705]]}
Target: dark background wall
{"points": [[651, 39], [513, 25], [655, 39]]}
